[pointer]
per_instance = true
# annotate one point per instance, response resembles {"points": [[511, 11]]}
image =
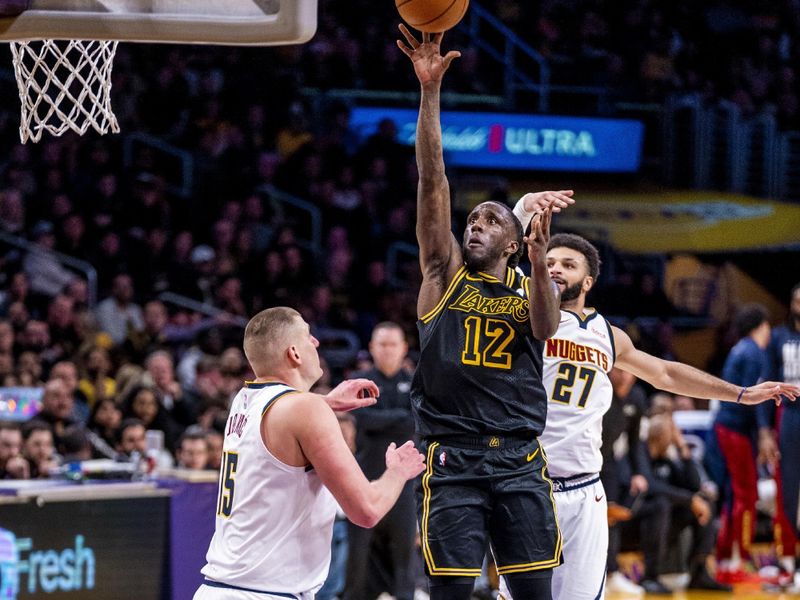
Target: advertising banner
{"points": [[92, 549], [517, 141]]}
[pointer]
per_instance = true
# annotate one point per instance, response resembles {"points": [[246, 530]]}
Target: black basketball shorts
{"points": [[481, 490]]}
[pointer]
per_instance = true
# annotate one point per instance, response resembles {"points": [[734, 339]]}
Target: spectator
{"points": [[784, 355], [214, 440], [680, 482], [736, 428], [46, 274], [144, 404], [75, 444], [67, 372], [103, 423], [161, 370], [118, 314], [12, 464], [29, 370], [57, 409], [625, 479], [131, 438], [38, 448], [96, 383], [192, 450]]}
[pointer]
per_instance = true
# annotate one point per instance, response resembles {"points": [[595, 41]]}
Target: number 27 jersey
{"points": [[577, 360]]}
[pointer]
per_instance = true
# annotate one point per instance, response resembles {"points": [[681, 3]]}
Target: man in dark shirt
{"points": [[675, 487], [739, 430], [784, 361], [627, 478], [57, 408], [388, 421]]}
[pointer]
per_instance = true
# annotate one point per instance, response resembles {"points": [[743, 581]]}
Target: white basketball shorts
{"points": [[214, 591], [582, 515]]}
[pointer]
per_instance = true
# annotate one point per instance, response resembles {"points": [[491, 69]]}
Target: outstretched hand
{"points": [[405, 460], [534, 202], [429, 64], [539, 237], [770, 390], [352, 394]]}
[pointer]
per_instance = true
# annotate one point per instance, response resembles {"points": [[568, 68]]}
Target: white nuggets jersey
{"points": [[274, 521], [577, 360]]}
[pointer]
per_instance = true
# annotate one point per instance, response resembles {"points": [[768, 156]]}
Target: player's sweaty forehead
{"points": [[493, 209]]}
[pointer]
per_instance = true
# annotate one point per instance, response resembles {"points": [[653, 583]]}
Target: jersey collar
{"points": [[583, 320], [258, 385]]}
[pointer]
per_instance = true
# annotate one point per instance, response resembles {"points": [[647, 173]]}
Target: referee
{"points": [[389, 420]]}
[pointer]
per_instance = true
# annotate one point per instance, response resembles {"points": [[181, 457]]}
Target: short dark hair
{"points": [[34, 425], [748, 318], [10, 426], [127, 424], [390, 325], [579, 244], [193, 432], [514, 259]]}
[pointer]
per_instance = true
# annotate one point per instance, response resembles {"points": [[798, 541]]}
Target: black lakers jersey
{"points": [[480, 368]]}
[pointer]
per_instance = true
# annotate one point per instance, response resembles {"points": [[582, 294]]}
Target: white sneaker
{"points": [[617, 582], [421, 595]]}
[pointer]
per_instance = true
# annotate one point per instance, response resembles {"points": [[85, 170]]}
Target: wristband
{"points": [[523, 216], [739, 399]]}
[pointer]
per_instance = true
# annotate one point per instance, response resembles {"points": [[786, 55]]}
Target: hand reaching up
{"points": [[429, 64]]}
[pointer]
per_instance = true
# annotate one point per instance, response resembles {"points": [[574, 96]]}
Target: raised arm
{"points": [[439, 253], [679, 378], [544, 298], [316, 430]]}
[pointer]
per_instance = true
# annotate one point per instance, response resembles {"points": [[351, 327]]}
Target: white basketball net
{"points": [[64, 85]]}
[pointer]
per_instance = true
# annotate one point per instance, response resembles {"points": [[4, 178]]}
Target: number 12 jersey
{"points": [[480, 368]]}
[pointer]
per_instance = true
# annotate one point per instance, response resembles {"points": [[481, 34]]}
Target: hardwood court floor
{"points": [[745, 593]]}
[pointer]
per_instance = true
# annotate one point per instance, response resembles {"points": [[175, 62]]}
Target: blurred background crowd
{"points": [[150, 339]]}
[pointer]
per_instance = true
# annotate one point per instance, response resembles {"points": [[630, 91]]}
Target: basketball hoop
{"points": [[63, 86], [64, 50]]}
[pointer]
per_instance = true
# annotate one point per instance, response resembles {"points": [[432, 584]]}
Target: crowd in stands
{"points": [[132, 363]]}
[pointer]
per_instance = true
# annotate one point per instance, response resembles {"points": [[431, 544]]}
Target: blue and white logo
{"points": [[25, 569]]}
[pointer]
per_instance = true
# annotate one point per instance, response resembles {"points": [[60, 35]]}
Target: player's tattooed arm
{"points": [[679, 378], [439, 252]]}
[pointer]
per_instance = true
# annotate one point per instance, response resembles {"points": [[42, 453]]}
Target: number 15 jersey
{"points": [[577, 360], [480, 368], [274, 521]]}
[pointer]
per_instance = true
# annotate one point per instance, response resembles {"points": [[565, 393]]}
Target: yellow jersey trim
{"points": [[448, 292], [277, 397], [426, 507]]}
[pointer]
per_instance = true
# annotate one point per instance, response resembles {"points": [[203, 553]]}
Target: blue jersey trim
{"points": [[218, 584], [260, 385], [583, 320]]}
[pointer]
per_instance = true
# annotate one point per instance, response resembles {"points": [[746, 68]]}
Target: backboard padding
{"points": [[224, 22]]}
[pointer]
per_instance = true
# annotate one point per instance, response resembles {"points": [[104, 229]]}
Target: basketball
{"points": [[432, 16]]}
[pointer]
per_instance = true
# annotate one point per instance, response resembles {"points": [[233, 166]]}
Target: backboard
{"points": [[223, 22]]}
